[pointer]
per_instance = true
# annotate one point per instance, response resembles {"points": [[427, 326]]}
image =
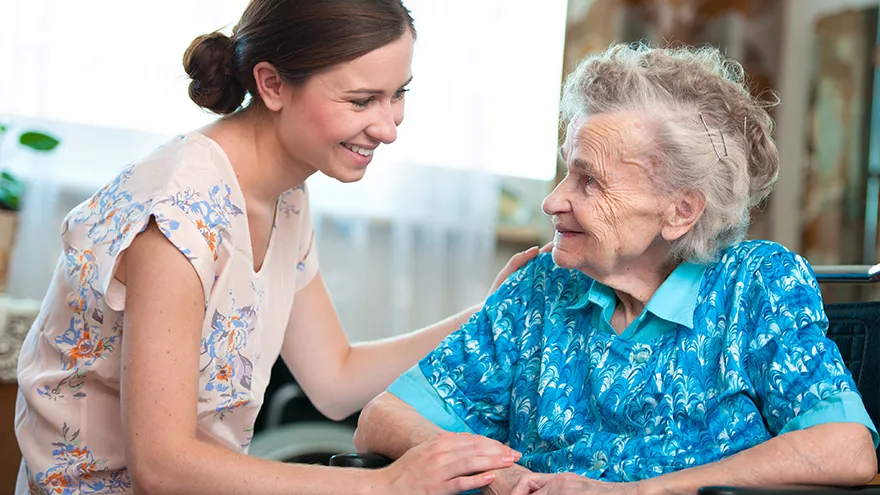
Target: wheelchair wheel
{"points": [[312, 442]]}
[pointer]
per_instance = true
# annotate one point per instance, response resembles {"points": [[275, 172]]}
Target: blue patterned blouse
{"points": [[724, 357]]}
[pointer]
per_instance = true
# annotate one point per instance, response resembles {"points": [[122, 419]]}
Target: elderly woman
{"points": [[656, 351]]}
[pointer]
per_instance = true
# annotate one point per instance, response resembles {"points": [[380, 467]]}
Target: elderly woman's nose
{"points": [[555, 203]]}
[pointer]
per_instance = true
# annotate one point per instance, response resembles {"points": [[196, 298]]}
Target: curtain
{"points": [[410, 244], [485, 93]]}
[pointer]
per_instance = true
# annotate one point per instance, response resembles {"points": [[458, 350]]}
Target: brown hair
{"points": [[300, 38]]}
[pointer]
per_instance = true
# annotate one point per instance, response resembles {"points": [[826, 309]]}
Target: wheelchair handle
{"points": [[853, 274]]}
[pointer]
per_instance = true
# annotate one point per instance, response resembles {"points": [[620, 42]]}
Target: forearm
{"points": [[195, 467], [830, 454], [370, 367], [390, 427]]}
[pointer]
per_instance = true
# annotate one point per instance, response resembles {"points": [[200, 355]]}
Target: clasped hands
{"points": [[452, 463], [517, 480]]}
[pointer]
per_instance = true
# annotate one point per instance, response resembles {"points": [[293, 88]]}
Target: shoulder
{"points": [[191, 162], [755, 253], [539, 273], [759, 262], [766, 281], [186, 162], [185, 184], [752, 270], [190, 176], [542, 281]]}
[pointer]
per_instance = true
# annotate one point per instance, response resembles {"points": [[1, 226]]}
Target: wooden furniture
{"points": [[16, 317]]}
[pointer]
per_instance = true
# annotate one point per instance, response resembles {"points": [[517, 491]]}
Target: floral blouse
{"points": [[68, 419]]}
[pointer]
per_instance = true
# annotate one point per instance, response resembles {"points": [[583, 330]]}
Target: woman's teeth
{"points": [[358, 149]]}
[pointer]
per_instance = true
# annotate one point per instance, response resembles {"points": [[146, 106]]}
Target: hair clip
{"points": [[709, 133]]}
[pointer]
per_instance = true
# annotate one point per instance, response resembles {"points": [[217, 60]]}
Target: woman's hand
{"points": [[449, 464], [516, 262], [569, 484]]}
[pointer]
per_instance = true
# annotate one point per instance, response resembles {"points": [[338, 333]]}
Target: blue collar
{"points": [[674, 300]]}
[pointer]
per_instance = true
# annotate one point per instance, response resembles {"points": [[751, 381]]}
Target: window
{"points": [[487, 74]]}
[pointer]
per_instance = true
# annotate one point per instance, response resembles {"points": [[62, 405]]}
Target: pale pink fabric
{"points": [[68, 419]]}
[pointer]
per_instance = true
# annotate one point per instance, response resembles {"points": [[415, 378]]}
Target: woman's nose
{"points": [[384, 128]]}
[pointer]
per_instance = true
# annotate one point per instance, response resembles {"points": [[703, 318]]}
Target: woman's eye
{"points": [[362, 103], [400, 93]]}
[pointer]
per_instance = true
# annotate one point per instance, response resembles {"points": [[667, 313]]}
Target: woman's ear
{"points": [[682, 214], [270, 86]]}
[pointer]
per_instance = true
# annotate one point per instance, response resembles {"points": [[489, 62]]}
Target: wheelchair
{"points": [[290, 429]]}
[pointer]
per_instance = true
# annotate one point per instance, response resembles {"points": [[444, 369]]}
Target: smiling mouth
{"points": [[357, 149]]}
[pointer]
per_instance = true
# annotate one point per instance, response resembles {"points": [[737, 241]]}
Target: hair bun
{"points": [[213, 85]]}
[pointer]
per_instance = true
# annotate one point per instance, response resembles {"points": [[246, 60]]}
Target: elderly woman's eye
{"points": [[589, 180]]}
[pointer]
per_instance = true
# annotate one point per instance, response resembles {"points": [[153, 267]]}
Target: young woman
{"points": [[184, 278]]}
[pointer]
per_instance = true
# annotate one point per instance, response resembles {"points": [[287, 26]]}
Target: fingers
{"points": [[465, 455], [530, 483], [467, 483], [479, 464], [521, 258], [516, 262], [467, 446], [449, 464], [481, 446], [530, 252]]}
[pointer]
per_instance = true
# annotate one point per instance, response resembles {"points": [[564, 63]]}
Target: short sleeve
{"points": [[798, 374], [307, 250], [845, 407], [471, 370], [413, 388], [193, 236]]}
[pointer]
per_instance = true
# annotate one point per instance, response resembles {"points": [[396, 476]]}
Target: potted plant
{"points": [[11, 189]]}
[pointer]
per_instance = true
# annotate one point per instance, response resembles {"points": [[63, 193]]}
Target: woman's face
{"points": [[335, 121], [608, 211]]}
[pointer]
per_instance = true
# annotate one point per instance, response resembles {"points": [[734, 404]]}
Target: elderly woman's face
{"points": [[608, 211]]}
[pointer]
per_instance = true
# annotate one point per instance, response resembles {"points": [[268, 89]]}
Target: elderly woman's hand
{"points": [[506, 480], [569, 484]]}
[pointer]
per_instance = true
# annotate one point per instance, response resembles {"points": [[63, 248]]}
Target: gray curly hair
{"points": [[710, 134]]}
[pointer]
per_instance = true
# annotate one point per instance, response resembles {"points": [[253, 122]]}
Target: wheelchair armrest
{"points": [[366, 461], [812, 490]]}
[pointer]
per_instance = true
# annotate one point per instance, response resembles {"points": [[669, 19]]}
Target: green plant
{"points": [[11, 187]]}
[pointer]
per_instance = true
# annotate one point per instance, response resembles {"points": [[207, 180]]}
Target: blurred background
{"points": [[88, 87]]}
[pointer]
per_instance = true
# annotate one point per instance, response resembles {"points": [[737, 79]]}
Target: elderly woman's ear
{"points": [[682, 214]]}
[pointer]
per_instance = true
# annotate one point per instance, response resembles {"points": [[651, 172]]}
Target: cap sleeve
{"points": [[196, 225]]}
